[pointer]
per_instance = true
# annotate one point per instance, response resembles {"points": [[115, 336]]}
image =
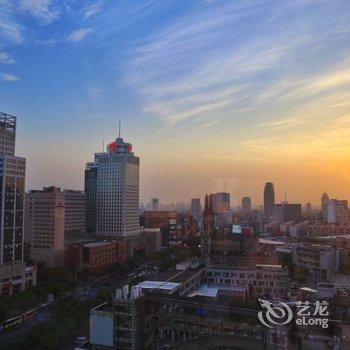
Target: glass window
{"points": [[8, 236], [10, 184], [9, 217]]}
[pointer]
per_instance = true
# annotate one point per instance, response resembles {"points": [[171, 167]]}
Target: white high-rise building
{"points": [[117, 191], [337, 211]]}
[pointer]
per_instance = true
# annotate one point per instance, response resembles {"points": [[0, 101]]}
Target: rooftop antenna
{"points": [[119, 128], [103, 145]]}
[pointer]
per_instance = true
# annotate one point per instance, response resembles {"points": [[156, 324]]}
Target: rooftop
{"points": [[96, 244], [177, 276], [106, 306], [169, 286], [212, 290], [270, 241]]}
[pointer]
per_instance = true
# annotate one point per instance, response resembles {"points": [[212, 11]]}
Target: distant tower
{"points": [[196, 208], [246, 204], [324, 206], [155, 204], [308, 211], [220, 202], [269, 199], [208, 228]]}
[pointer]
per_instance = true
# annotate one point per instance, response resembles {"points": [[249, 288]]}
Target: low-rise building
{"points": [[16, 277], [166, 221], [264, 280], [317, 259], [326, 230], [99, 254], [175, 282]]}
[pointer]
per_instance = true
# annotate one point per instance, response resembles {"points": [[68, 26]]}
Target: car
{"points": [[81, 340]]}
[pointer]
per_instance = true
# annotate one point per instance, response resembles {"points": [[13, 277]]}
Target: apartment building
{"points": [[51, 216]]}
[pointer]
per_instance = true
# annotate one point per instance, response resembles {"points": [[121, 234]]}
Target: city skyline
{"points": [[202, 104]]}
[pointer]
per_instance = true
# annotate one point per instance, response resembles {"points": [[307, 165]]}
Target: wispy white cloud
{"points": [[193, 69], [91, 9], [9, 77], [6, 58], [210, 124], [43, 10], [11, 31], [89, 117], [95, 92], [79, 34]]}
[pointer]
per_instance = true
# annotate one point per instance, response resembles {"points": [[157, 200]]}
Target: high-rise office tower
{"points": [[220, 202], [292, 212], [155, 204], [115, 212], [285, 212], [7, 134], [196, 208], [12, 181], [269, 199], [308, 211], [324, 205], [246, 204], [337, 211], [90, 188]]}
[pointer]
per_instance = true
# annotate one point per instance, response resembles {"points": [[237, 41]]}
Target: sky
{"points": [[213, 95]]}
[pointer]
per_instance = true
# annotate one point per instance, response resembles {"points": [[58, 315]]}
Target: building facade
{"points": [[90, 189], [246, 204], [155, 204], [12, 183], [271, 280], [196, 208], [7, 134], [51, 216], [167, 221], [220, 202], [287, 212], [337, 211], [116, 189], [99, 254], [269, 199], [324, 205]]}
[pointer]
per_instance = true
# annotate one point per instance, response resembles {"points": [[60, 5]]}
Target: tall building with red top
{"points": [[112, 191]]}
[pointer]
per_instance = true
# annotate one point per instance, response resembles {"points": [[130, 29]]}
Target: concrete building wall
{"points": [[101, 327], [264, 279], [51, 214]]}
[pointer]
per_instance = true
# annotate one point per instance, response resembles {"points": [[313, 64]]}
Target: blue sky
{"points": [[209, 92]]}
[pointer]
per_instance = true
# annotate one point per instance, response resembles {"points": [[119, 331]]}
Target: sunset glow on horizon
{"points": [[213, 95]]}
